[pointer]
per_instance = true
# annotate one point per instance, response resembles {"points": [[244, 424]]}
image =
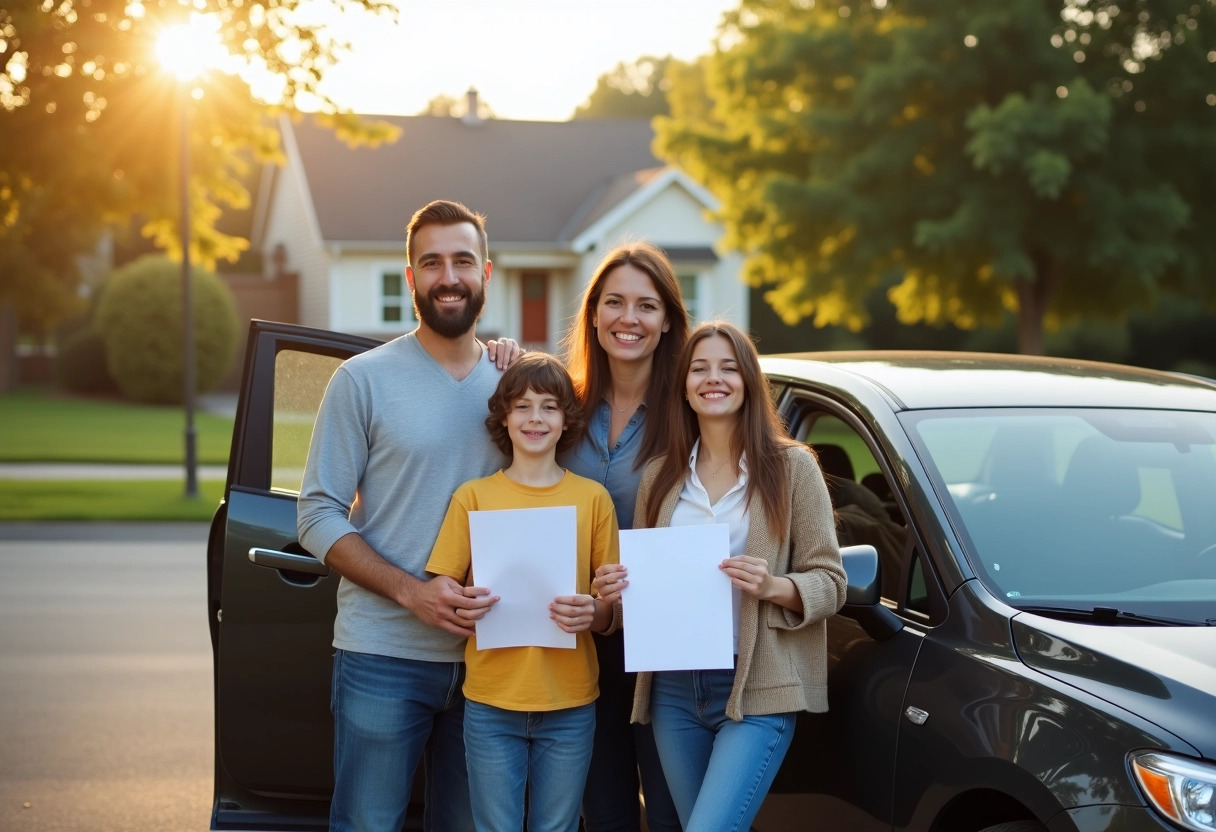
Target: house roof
{"points": [[606, 196], [536, 181]]}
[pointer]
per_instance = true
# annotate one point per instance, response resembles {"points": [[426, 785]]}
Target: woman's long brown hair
{"points": [[759, 432], [588, 363]]}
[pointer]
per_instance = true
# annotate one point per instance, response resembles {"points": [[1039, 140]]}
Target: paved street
{"points": [[105, 678]]}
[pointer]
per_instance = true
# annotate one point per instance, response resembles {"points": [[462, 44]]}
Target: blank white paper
{"points": [[528, 556], [677, 607]]}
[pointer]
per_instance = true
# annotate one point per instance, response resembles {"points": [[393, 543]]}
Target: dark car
{"points": [[1027, 646]]}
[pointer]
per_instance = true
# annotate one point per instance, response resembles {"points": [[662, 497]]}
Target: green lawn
{"points": [[51, 500], [39, 425]]}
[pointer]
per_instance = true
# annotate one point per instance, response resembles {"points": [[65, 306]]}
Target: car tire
{"points": [[1016, 826]]}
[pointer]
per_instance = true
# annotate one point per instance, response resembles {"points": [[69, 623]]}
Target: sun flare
{"points": [[188, 49]]}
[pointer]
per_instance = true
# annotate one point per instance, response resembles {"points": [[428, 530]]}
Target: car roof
{"points": [[918, 380]]}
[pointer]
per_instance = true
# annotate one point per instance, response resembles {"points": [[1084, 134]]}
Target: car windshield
{"points": [[1081, 508]]}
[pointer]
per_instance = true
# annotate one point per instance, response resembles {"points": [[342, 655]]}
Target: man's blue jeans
{"points": [[388, 714], [719, 771], [546, 752]]}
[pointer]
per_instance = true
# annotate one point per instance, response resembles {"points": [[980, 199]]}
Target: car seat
{"points": [[1109, 548]]}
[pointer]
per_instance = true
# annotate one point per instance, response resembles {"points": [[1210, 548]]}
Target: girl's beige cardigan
{"points": [[782, 662]]}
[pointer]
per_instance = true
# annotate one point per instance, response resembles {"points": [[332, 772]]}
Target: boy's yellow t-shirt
{"points": [[530, 678]]}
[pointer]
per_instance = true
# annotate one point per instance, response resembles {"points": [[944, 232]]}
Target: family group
{"points": [[644, 425]]}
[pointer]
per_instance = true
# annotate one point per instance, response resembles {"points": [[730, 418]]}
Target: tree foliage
{"points": [[90, 122], [449, 106], [1055, 158], [630, 90]]}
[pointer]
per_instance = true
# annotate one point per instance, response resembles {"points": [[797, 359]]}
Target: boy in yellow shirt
{"points": [[529, 711]]}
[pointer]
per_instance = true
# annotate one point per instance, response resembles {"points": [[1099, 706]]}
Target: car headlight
{"points": [[1182, 789]]}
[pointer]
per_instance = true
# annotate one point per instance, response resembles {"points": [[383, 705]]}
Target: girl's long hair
{"points": [[759, 432], [588, 362]]}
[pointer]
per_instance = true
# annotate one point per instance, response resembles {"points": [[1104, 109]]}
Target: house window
{"points": [[392, 297], [688, 287]]}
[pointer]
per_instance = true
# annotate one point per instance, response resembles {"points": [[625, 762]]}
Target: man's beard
{"points": [[450, 324]]}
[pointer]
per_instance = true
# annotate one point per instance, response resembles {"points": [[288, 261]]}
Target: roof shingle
{"points": [[532, 179]]}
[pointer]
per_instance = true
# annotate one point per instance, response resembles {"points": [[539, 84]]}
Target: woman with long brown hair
{"points": [[622, 352], [722, 734]]}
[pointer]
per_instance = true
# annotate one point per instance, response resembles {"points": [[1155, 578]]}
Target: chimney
{"points": [[471, 116]]}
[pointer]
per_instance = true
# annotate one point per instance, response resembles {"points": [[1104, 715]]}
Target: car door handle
{"points": [[274, 559]]}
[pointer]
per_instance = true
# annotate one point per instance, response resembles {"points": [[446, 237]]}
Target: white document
{"points": [[677, 607], [528, 557]]}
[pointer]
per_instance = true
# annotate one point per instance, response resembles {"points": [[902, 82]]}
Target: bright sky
{"points": [[528, 59]]}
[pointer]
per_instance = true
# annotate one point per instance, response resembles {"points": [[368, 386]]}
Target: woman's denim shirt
{"points": [[611, 467]]}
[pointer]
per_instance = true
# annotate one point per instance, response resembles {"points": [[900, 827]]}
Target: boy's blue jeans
{"points": [[545, 752], [719, 771], [389, 713]]}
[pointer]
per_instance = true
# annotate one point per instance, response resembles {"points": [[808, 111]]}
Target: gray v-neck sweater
{"points": [[395, 436]]}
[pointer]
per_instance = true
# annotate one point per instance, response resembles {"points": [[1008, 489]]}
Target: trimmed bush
{"points": [[139, 315], [80, 363]]}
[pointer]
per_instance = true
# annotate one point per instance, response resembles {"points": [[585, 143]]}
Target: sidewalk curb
{"points": [[157, 530], [48, 471]]}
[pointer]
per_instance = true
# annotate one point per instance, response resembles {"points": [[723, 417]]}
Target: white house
{"points": [[557, 195]]}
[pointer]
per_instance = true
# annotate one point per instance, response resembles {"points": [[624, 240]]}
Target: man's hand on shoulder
{"points": [[442, 602], [504, 351]]}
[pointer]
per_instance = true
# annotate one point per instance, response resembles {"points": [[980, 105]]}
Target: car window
{"points": [[1084, 507], [300, 379], [863, 502], [918, 589]]}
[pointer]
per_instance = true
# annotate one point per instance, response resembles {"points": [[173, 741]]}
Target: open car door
{"points": [[270, 603]]}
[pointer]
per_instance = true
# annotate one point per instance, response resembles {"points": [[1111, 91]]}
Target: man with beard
{"points": [[400, 427]]}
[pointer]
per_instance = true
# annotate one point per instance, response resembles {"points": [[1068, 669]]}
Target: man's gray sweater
{"points": [[395, 436]]}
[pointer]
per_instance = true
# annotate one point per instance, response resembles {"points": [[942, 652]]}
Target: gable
{"points": [[671, 217], [669, 209]]}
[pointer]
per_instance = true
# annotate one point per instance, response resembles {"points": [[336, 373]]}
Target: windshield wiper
{"points": [[1110, 615]]}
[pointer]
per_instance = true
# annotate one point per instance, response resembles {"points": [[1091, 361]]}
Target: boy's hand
{"points": [[610, 579], [573, 613], [503, 352]]}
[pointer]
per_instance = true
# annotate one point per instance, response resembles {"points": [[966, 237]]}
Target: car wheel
{"points": [[1016, 826]]}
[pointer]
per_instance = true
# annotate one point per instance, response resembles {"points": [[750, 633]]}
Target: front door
{"points": [[535, 308]]}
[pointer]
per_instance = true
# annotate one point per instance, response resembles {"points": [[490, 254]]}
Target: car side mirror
{"points": [[862, 596]]}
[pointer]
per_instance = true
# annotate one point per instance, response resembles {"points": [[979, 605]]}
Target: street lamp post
{"points": [[187, 311], [187, 49]]}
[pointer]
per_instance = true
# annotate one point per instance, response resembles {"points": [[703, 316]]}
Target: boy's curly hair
{"points": [[541, 373]]}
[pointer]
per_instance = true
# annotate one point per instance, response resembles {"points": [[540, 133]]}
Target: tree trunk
{"points": [[1033, 298], [1030, 321], [8, 346]]}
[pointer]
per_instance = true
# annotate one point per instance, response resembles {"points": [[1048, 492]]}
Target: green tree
{"points": [[449, 106], [630, 90], [1053, 158], [90, 124]]}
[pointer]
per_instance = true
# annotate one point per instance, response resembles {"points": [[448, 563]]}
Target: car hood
{"points": [[1164, 674]]}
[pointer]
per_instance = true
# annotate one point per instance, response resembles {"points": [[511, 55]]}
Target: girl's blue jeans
{"points": [[718, 770]]}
